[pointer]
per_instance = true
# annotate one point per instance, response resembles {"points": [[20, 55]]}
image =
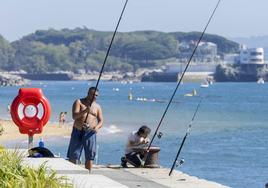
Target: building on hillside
{"points": [[251, 55], [254, 56], [205, 53], [231, 58], [194, 67]]}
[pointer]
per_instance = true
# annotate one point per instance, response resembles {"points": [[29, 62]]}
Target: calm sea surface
{"points": [[228, 141]]}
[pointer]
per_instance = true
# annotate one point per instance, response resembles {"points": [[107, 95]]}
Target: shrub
{"points": [[15, 175]]}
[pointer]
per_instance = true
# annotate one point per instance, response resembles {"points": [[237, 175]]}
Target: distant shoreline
{"points": [[111, 76], [107, 76], [48, 76], [124, 78]]}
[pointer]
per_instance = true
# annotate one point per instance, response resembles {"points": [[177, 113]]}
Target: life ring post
{"points": [[30, 141]]}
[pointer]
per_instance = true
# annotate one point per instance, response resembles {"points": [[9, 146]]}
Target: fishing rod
{"points": [[184, 138], [106, 56], [178, 84]]}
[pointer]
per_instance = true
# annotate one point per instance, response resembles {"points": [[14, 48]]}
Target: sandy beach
{"points": [[11, 131]]}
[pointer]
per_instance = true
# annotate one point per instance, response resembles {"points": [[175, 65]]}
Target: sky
{"points": [[233, 18]]}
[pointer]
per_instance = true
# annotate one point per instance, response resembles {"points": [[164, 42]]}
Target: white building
{"points": [[231, 58], [194, 67], [251, 55], [206, 52]]}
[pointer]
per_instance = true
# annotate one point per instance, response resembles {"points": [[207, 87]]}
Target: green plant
{"points": [[15, 175]]}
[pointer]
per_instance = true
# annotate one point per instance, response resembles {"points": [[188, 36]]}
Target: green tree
{"points": [[81, 48], [6, 54]]}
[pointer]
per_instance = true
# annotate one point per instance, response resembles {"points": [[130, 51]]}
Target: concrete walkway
{"points": [[126, 177], [115, 176], [153, 177]]}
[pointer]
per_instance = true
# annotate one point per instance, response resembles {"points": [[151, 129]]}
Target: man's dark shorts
{"points": [[82, 139]]}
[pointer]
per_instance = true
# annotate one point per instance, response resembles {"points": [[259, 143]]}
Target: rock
{"points": [[7, 79]]}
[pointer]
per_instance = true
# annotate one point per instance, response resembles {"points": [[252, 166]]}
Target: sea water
{"points": [[228, 141]]}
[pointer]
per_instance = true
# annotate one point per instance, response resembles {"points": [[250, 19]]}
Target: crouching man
{"points": [[137, 139]]}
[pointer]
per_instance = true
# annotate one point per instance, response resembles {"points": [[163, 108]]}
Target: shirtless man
{"points": [[85, 130]]}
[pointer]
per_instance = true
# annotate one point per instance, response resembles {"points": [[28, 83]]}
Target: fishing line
{"points": [[184, 138], [106, 56], [185, 69]]}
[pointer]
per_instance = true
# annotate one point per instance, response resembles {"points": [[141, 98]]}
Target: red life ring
{"points": [[30, 111]]}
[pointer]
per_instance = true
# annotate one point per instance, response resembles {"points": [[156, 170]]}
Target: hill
{"points": [[83, 49]]}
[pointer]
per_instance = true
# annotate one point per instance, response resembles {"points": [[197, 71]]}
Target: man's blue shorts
{"points": [[82, 139]]}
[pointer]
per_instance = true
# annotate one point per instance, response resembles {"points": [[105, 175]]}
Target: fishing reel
{"points": [[179, 163], [159, 135]]}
